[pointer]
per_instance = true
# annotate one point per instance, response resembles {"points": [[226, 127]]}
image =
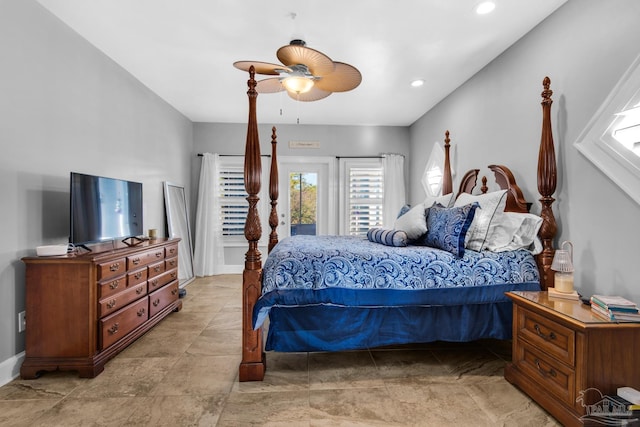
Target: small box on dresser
{"points": [[85, 309], [566, 358]]}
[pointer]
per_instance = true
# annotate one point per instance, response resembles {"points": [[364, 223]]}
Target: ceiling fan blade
{"points": [[313, 95], [345, 77], [271, 85], [262, 67], [318, 63]]}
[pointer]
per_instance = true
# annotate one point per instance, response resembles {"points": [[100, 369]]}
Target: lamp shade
{"points": [[298, 84], [563, 259]]}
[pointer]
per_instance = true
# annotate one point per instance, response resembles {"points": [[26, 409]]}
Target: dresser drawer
{"points": [[120, 323], [554, 377], [161, 280], [144, 258], [116, 302], [136, 277], [170, 263], [112, 286], [171, 251], [156, 268], [111, 269], [162, 298], [547, 335]]}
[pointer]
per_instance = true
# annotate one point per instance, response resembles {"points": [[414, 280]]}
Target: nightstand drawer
{"points": [[555, 377], [547, 335]]}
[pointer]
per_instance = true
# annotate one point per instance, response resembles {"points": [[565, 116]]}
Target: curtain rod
{"points": [[234, 155]]}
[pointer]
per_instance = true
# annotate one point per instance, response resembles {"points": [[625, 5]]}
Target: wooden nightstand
{"points": [[561, 352]]}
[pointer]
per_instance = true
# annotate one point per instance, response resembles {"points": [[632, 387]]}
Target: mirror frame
{"points": [[177, 214]]}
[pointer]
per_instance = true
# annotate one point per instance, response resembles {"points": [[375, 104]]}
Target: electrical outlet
{"points": [[22, 321]]}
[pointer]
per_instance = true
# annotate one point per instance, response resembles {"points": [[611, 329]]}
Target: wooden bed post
{"points": [[253, 365], [273, 190], [547, 178], [447, 180]]}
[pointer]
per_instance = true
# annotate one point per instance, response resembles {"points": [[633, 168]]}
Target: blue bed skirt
{"points": [[338, 328]]}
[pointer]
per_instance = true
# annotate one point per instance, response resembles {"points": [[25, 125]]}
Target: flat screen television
{"points": [[104, 209]]}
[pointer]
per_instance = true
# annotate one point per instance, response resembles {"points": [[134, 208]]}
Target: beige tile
{"points": [[401, 364], [195, 375], [277, 408], [88, 412], [23, 413], [154, 343], [215, 342], [352, 369], [201, 410], [479, 365], [50, 385], [127, 377]]}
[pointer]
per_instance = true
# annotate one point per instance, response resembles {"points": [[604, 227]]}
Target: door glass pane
{"points": [[303, 200]]}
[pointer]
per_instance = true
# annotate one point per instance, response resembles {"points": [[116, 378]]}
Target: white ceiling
{"points": [[183, 50]]}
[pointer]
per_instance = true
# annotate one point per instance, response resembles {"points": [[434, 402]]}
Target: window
{"points": [[233, 201], [432, 176], [362, 188], [611, 140]]}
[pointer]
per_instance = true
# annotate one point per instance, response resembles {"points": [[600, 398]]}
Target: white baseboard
{"points": [[10, 368]]}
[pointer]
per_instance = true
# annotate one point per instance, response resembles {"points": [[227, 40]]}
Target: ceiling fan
{"points": [[306, 74]]}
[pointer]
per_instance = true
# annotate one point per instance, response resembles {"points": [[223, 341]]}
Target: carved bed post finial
{"points": [[447, 180], [253, 363], [273, 191], [547, 178]]}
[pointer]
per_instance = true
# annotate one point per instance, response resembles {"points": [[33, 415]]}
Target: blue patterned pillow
{"points": [[447, 227], [387, 237]]}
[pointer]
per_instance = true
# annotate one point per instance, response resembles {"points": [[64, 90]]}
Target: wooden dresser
{"points": [[82, 310], [566, 358]]}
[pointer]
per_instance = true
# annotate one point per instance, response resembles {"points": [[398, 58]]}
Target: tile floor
{"points": [[184, 373]]}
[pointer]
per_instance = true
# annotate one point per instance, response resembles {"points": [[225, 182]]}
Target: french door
{"points": [[307, 201]]}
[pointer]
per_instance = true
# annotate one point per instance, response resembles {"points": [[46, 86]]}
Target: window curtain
{"points": [[209, 249], [394, 190]]}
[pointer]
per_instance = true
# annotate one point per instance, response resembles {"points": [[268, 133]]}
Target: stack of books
{"points": [[615, 308]]}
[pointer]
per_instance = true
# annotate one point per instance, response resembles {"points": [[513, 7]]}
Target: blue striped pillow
{"points": [[388, 237]]}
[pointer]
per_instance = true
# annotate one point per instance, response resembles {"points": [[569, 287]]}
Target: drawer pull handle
{"points": [[113, 329], [111, 303], [172, 251], [545, 337], [154, 282], [156, 302], [550, 372], [138, 275], [114, 285], [140, 290], [141, 312], [158, 254], [114, 267], [156, 268], [173, 275], [174, 291], [136, 261]]}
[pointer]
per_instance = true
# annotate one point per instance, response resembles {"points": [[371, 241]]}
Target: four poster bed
{"points": [[331, 293]]}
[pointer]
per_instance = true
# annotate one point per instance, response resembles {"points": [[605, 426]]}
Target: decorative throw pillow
{"points": [[447, 227], [513, 231], [387, 237], [414, 222], [491, 207]]}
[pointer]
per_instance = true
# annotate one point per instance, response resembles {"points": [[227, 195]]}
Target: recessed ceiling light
{"points": [[484, 7], [417, 83]]}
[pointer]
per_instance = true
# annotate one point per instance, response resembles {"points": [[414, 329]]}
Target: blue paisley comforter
{"points": [[351, 271]]}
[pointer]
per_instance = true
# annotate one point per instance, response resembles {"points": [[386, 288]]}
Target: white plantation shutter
{"points": [[233, 202], [363, 195]]}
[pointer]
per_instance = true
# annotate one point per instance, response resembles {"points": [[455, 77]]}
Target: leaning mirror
{"points": [[178, 226]]}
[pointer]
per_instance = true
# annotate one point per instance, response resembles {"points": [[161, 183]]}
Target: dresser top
{"points": [[574, 311]]}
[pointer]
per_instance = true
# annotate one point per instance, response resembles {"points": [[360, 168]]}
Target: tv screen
{"points": [[104, 209]]}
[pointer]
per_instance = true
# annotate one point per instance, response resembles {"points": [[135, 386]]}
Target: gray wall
{"points": [[64, 106], [495, 117]]}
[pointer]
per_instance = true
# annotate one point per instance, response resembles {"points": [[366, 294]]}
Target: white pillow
{"points": [[446, 200], [414, 222], [491, 206], [513, 230]]}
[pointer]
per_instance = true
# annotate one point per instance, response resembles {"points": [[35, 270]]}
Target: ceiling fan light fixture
{"points": [[298, 84]]}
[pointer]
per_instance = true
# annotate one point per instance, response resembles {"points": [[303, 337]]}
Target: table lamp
{"points": [[563, 266]]}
